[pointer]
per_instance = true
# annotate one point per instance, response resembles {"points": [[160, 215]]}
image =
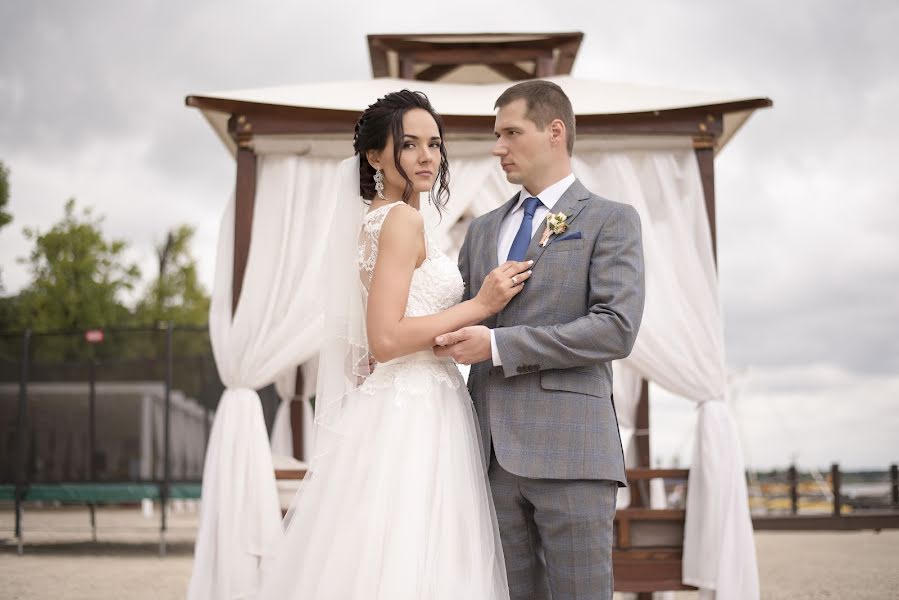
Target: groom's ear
{"points": [[557, 131], [374, 158]]}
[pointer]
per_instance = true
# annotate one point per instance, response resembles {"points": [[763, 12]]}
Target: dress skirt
{"points": [[401, 508]]}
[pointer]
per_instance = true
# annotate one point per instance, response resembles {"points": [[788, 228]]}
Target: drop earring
{"points": [[379, 184]]}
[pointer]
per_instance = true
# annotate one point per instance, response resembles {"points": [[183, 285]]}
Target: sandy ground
{"points": [[61, 561]]}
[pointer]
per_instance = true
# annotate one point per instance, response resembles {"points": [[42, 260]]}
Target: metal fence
{"points": [[115, 405], [108, 416]]}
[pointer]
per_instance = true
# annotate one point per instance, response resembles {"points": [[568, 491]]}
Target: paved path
{"points": [[61, 561]]}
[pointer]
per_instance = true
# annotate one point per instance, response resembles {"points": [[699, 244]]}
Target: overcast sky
{"points": [[92, 106]]}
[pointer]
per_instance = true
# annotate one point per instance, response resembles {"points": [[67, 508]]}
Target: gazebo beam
{"points": [[342, 122], [559, 49], [702, 122], [511, 71], [462, 56], [435, 72]]}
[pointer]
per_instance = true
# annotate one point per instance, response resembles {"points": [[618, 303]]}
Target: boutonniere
{"points": [[555, 225]]}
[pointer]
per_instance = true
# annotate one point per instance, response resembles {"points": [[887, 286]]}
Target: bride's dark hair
{"points": [[383, 118]]}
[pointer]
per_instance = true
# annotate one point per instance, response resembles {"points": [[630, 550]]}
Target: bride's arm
{"points": [[400, 248]]}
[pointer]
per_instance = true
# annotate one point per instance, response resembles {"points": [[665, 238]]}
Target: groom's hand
{"points": [[466, 346]]}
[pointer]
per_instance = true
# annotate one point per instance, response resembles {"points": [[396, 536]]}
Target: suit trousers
{"points": [[556, 535]]}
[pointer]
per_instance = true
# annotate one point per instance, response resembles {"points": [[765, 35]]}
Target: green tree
{"points": [[78, 276], [176, 295], [10, 311], [5, 217]]}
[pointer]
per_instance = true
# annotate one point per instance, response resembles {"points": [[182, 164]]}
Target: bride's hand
{"points": [[502, 284]]}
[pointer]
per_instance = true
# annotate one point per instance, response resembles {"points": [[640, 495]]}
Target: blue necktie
{"points": [[525, 232]]}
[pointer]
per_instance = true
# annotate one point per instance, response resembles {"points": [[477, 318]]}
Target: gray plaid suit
{"points": [[548, 425]]}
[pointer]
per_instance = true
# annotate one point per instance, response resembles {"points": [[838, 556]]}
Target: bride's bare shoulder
{"points": [[402, 234], [402, 222]]}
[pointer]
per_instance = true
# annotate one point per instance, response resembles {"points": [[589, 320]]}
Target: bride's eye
{"points": [[408, 145]]}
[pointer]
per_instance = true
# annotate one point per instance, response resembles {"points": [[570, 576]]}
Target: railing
{"points": [[107, 416], [648, 551], [831, 508]]}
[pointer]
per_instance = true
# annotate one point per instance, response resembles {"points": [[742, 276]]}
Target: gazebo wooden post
{"points": [[546, 66], [244, 199], [705, 156], [640, 491], [407, 68], [296, 415]]}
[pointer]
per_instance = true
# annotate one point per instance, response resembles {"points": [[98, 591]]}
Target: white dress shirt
{"points": [[508, 228]]}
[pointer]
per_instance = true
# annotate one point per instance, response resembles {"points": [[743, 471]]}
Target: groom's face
{"points": [[523, 149]]}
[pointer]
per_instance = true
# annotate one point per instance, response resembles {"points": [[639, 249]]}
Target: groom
{"points": [[541, 375]]}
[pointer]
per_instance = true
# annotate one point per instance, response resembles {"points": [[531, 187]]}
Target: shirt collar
{"points": [[549, 196]]}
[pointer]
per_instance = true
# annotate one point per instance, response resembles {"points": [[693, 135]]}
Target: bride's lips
{"points": [[424, 173]]}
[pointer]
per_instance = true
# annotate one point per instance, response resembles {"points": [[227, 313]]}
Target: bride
{"points": [[396, 505]]}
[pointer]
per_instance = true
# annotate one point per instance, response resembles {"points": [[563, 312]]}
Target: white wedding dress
{"points": [[402, 509]]}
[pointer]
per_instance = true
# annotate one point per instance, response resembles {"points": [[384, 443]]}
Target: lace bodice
{"points": [[436, 284]]}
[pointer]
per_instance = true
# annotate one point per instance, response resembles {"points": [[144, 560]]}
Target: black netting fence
{"points": [[108, 406]]}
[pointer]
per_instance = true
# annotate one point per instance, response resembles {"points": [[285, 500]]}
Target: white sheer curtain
{"points": [[275, 326], [681, 348]]}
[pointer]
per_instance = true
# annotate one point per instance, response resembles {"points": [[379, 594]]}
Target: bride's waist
{"points": [[415, 374], [424, 356]]}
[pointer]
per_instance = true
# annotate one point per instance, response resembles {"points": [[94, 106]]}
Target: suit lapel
{"points": [[571, 203]]}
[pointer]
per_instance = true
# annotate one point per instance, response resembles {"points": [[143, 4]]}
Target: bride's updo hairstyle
{"points": [[385, 118]]}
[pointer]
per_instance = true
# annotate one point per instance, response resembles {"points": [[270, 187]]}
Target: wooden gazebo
{"points": [[463, 74]]}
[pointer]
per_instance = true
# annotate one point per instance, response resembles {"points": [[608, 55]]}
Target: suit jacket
{"points": [[548, 409]]}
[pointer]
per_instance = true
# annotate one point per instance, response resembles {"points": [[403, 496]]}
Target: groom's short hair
{"points": [[545, 102]]}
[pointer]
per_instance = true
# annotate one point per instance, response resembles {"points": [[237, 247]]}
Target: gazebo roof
{"points": [[473, 57], [463, 74], [473, 103]]}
